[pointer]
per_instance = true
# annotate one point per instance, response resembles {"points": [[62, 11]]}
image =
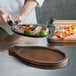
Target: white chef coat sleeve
{"points": [[40, 2]]}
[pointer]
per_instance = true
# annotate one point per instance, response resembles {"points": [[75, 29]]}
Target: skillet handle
{"points": [[51, 27], [10, 22], [50, 22]]}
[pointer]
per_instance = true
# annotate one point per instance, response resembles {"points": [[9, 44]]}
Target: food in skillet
{"points": [[32, 30]]}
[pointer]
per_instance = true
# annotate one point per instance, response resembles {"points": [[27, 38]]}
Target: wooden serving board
{"points": [[38, 55], [71, 38]]}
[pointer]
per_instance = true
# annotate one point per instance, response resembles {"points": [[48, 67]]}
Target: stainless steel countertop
{"points": [[10, 66]]}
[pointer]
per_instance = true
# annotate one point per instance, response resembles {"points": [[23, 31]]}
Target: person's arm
{"points": [[4, 16], [26, 10]]}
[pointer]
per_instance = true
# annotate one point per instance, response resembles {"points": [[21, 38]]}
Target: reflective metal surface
{"points": [[10, 66]]}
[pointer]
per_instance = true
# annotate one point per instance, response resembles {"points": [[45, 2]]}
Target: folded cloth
{"points": [[3, 34], [7, 29]]}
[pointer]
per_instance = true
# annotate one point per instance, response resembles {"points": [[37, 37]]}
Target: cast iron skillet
{"points": [[50, 26]]}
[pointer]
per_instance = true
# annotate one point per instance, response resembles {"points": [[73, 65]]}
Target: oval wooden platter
{"points": [[38, 55]]}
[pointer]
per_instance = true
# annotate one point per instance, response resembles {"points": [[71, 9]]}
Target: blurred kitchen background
{"points": [[60, 9]]}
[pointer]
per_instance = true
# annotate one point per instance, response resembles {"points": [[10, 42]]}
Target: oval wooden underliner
{"points": [[39, 55]]}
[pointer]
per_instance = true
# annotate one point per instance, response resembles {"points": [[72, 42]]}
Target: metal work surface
{"points": [[10, 66]]}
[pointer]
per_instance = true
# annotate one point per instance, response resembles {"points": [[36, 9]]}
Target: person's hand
{"points": [[19, 19], [4, 17]]}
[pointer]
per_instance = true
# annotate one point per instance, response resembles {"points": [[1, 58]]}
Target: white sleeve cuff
{"points": [[40, 2]]}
